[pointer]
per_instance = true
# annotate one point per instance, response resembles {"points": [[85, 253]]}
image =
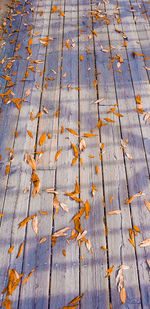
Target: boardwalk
{"points": [[75, 155]]}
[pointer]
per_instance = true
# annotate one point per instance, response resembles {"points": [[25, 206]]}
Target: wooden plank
{"points": [[10, 116], [28, 145], [51, 92], [19, 179], [136, 169], [37, 256], [93, 266], [119, 248], [66, 268]]}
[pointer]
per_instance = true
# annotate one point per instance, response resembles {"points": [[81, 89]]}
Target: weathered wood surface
{"points": [[78, 66]]}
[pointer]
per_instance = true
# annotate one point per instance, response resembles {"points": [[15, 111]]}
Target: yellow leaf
{"points": [[42, 139]]}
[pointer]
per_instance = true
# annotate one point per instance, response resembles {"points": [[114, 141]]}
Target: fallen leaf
{"points": [[147, 203], [61, 232], [64, 207], [123, 295], [7, 169], [52, 191], [109, 120], [28, 92], [35, 224], [42, 240], [89, 135], [42, 139], [76, 300], [31, 161], [145, 243], [82, 145], [36, 181], [20, 250], [114, 212], [44, 213], [109, 271], [57, 155], [56, 204], [11, 249], [72, 131], [87, 209], [30, 134]]}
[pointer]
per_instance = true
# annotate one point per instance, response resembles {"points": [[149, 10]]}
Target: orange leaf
{"points": [[49, 135], [74, 160], [7, 169], [43, 212], [30, 42], [42, 139], [42, 240], [128, 201], [20, 250], [103, 248], [109, 271], [72, 131], [76, 152], [57, 155], [95, 83], [10, 249], [87, 209], [109, 120], [54, 9], [89, 135], [81, 57], [147, 203], [39, 114], [123, 295], [30, 134], [24, 222], [94, 32]]}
